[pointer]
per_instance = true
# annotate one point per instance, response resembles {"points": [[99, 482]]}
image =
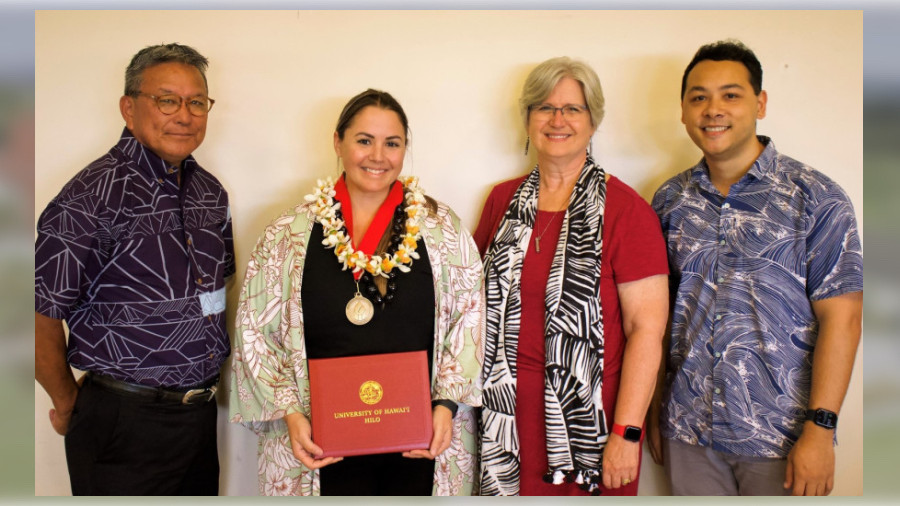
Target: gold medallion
{"points": [[359, 310], [370, 392]]}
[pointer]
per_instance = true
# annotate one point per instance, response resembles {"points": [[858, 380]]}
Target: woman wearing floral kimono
{"points": [[410, 270]]}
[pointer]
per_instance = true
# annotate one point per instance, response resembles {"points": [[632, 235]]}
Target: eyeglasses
{"points": [[569, 111], [170, 104]]}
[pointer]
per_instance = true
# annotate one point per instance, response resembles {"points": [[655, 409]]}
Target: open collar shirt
{"points": [[136, 265], [745, 269]]}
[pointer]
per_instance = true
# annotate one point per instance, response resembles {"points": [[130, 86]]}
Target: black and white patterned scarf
{"points": [[573, 334]]}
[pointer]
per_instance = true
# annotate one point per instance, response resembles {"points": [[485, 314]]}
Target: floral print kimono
{"points": [[269, 365]]}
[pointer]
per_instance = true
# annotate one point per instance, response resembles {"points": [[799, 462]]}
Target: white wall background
{"points": [[280, 79]]}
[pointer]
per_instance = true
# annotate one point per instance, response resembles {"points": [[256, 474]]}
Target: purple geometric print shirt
{"points": [[744, 270], [136, 266]]}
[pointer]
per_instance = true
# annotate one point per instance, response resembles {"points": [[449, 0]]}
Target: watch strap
{"points": [[628, 432]]}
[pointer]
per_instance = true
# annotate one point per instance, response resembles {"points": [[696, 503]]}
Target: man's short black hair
{"points": [[727, 50]]}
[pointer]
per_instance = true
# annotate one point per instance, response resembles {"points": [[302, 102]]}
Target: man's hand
{"points": [[300, 431], [52, 370], [620, 461], [61, 415], [60, 420], [442, 424], [810, 464]]}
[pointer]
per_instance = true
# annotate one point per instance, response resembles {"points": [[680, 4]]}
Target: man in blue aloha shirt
{"points": [[767, 279], [132, 255]]}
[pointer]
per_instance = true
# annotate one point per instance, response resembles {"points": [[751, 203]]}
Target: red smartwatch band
{"points": [[628, 432]]}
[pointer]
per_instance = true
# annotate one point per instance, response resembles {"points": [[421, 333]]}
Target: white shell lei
{"points": [[325, 208]]}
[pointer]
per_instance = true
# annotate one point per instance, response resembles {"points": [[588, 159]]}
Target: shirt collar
{"points": [[763, 166], [148, 161]]}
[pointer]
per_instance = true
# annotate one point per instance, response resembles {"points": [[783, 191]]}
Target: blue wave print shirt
{"points": [[136, 266], [744, 269]]}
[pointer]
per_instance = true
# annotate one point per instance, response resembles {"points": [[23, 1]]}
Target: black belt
{"points": [[197, 395]]}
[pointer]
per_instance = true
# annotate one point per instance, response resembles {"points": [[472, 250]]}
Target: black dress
{"points": [[404, 324]]}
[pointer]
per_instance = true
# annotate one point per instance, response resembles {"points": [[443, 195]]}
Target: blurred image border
{"points": [[881, 237]]}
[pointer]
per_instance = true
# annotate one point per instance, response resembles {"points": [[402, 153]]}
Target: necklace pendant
{"points": [[537, 244], [359, 309]]}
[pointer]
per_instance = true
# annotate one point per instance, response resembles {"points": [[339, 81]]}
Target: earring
{"points": [[527, 142], [590, 146]]}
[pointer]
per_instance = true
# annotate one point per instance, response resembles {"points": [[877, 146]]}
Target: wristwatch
{"points": [[629, 432], [822, 417]]}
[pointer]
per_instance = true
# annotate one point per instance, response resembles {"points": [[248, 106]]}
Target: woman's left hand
{"points": [[620, 461], [442, 424]]}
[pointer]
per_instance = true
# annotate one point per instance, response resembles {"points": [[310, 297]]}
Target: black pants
{"points": [[385, 474], [118, 444]]}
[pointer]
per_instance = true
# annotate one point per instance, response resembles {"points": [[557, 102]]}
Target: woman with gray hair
{"points": [[577, 298]]}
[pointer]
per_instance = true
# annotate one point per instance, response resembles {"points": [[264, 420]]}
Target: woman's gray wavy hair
{"points": [[541, 81], [162, 53]]}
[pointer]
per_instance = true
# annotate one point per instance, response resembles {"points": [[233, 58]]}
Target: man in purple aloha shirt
{"points": [[133, 256]]}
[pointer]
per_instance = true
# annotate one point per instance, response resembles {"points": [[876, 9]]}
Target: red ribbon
{"points": [[380, 222]]}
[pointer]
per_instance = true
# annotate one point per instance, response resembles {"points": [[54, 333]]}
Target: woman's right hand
{"points": [[300, 431]]}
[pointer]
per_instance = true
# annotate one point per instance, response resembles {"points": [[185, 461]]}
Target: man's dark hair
{"points": [[155, 55], [727, 50]]}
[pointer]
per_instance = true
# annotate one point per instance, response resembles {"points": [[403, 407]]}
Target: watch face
{"points": [[632, 434], [823, 418], [826, 419]]}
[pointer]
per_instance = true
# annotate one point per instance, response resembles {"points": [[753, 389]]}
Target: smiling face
{"points": [[560, 140], [719, 111], [171, 136], [372, 151]]}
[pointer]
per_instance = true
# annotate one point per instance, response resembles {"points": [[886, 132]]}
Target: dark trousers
{"points": [[119, 444], [384, 474]]}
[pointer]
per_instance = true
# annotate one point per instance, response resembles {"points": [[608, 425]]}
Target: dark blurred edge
{"points": [[881, 238], [881, 209], [16, 250]]}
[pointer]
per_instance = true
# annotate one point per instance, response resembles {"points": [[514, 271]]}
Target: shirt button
{"points": [[189, 241], [160, 180], [717, 354], [726, 205], [717, 391], [719, 280], [718, 317], [199, 281], [722, 242], [211, 355]]}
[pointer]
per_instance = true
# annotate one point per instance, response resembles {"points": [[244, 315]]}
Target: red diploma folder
{"points": [[370, 403]]}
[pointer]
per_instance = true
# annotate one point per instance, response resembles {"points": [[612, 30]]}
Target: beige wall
{"points": [[281, 77]]}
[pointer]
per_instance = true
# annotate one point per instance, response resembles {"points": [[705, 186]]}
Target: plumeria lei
{"points": [[325, 208]]}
